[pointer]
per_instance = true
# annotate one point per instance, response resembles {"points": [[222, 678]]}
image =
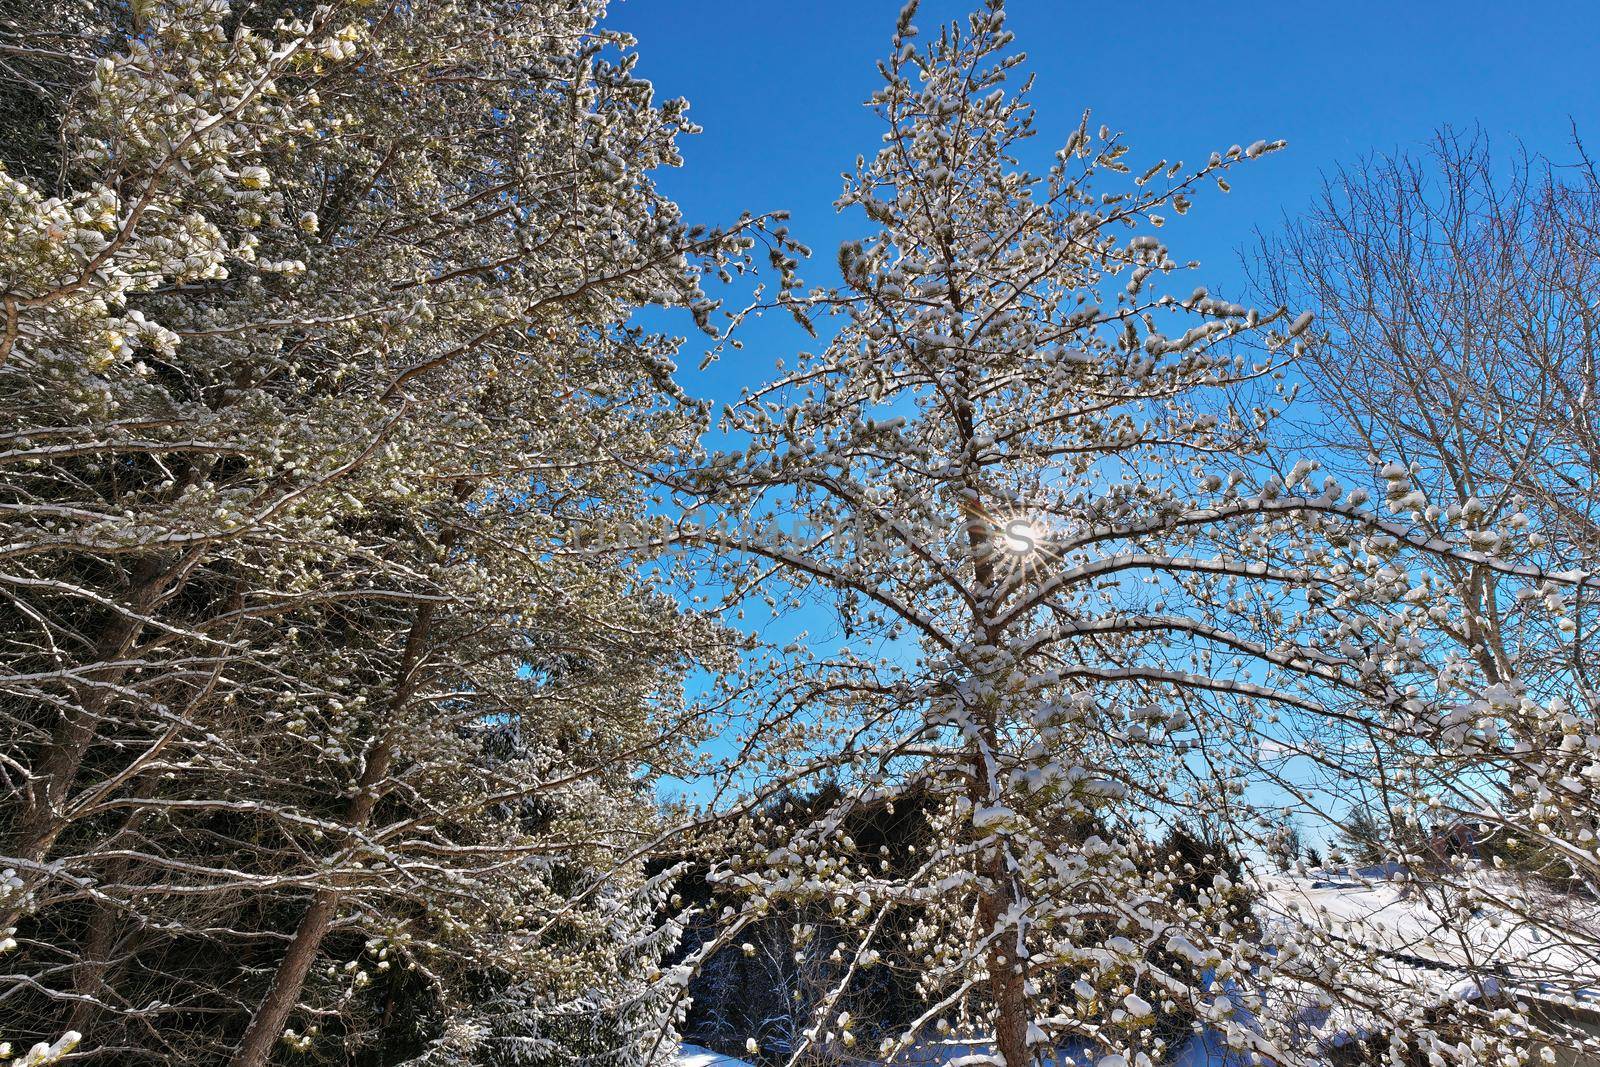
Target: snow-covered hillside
{"points": [[1505, 929], [1487, 935]]}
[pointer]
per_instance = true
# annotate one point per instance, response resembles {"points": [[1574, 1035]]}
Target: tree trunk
{"points": [[1006, 969], [255, 1048], [1007, 981], [43, 816], [95, 956], [1006, 984], [284, 993]]}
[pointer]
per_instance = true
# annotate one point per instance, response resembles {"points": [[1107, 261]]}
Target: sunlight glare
{"points": [[1021, 537]]}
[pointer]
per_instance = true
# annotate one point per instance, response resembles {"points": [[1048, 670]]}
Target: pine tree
{"points": [[321, 399]]}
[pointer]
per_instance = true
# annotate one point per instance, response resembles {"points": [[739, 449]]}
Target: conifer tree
{"points": [[318, 389]]}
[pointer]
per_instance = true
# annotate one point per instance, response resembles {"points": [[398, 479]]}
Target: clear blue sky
{"points": [[778, 86]]}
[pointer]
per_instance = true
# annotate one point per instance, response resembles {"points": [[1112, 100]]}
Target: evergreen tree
{"points": [[319, 392]]}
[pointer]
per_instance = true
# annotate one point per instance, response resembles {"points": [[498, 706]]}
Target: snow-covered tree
{"points": [[1073, 601], [322, 711]]}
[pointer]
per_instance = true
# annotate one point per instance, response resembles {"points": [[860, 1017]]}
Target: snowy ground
{"points": [[1511, 934], [933, 1054], [1519, 936], [1200, 1053], [695, 1056]]}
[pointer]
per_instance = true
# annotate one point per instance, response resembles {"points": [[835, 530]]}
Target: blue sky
{"points": [[778, 86]]}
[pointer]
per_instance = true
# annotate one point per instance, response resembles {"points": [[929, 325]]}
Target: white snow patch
{"points": [[695, 1056]]}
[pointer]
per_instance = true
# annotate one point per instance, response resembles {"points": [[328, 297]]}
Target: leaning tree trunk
{"points": [[44, 812], [273, 1013]]}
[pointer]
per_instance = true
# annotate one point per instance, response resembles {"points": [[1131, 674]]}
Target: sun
{"points": [[1021, 537]]}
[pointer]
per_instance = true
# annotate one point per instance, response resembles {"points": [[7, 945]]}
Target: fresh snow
{"points": [[695, 1056], [1207, 1049], [1378, 907]]}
